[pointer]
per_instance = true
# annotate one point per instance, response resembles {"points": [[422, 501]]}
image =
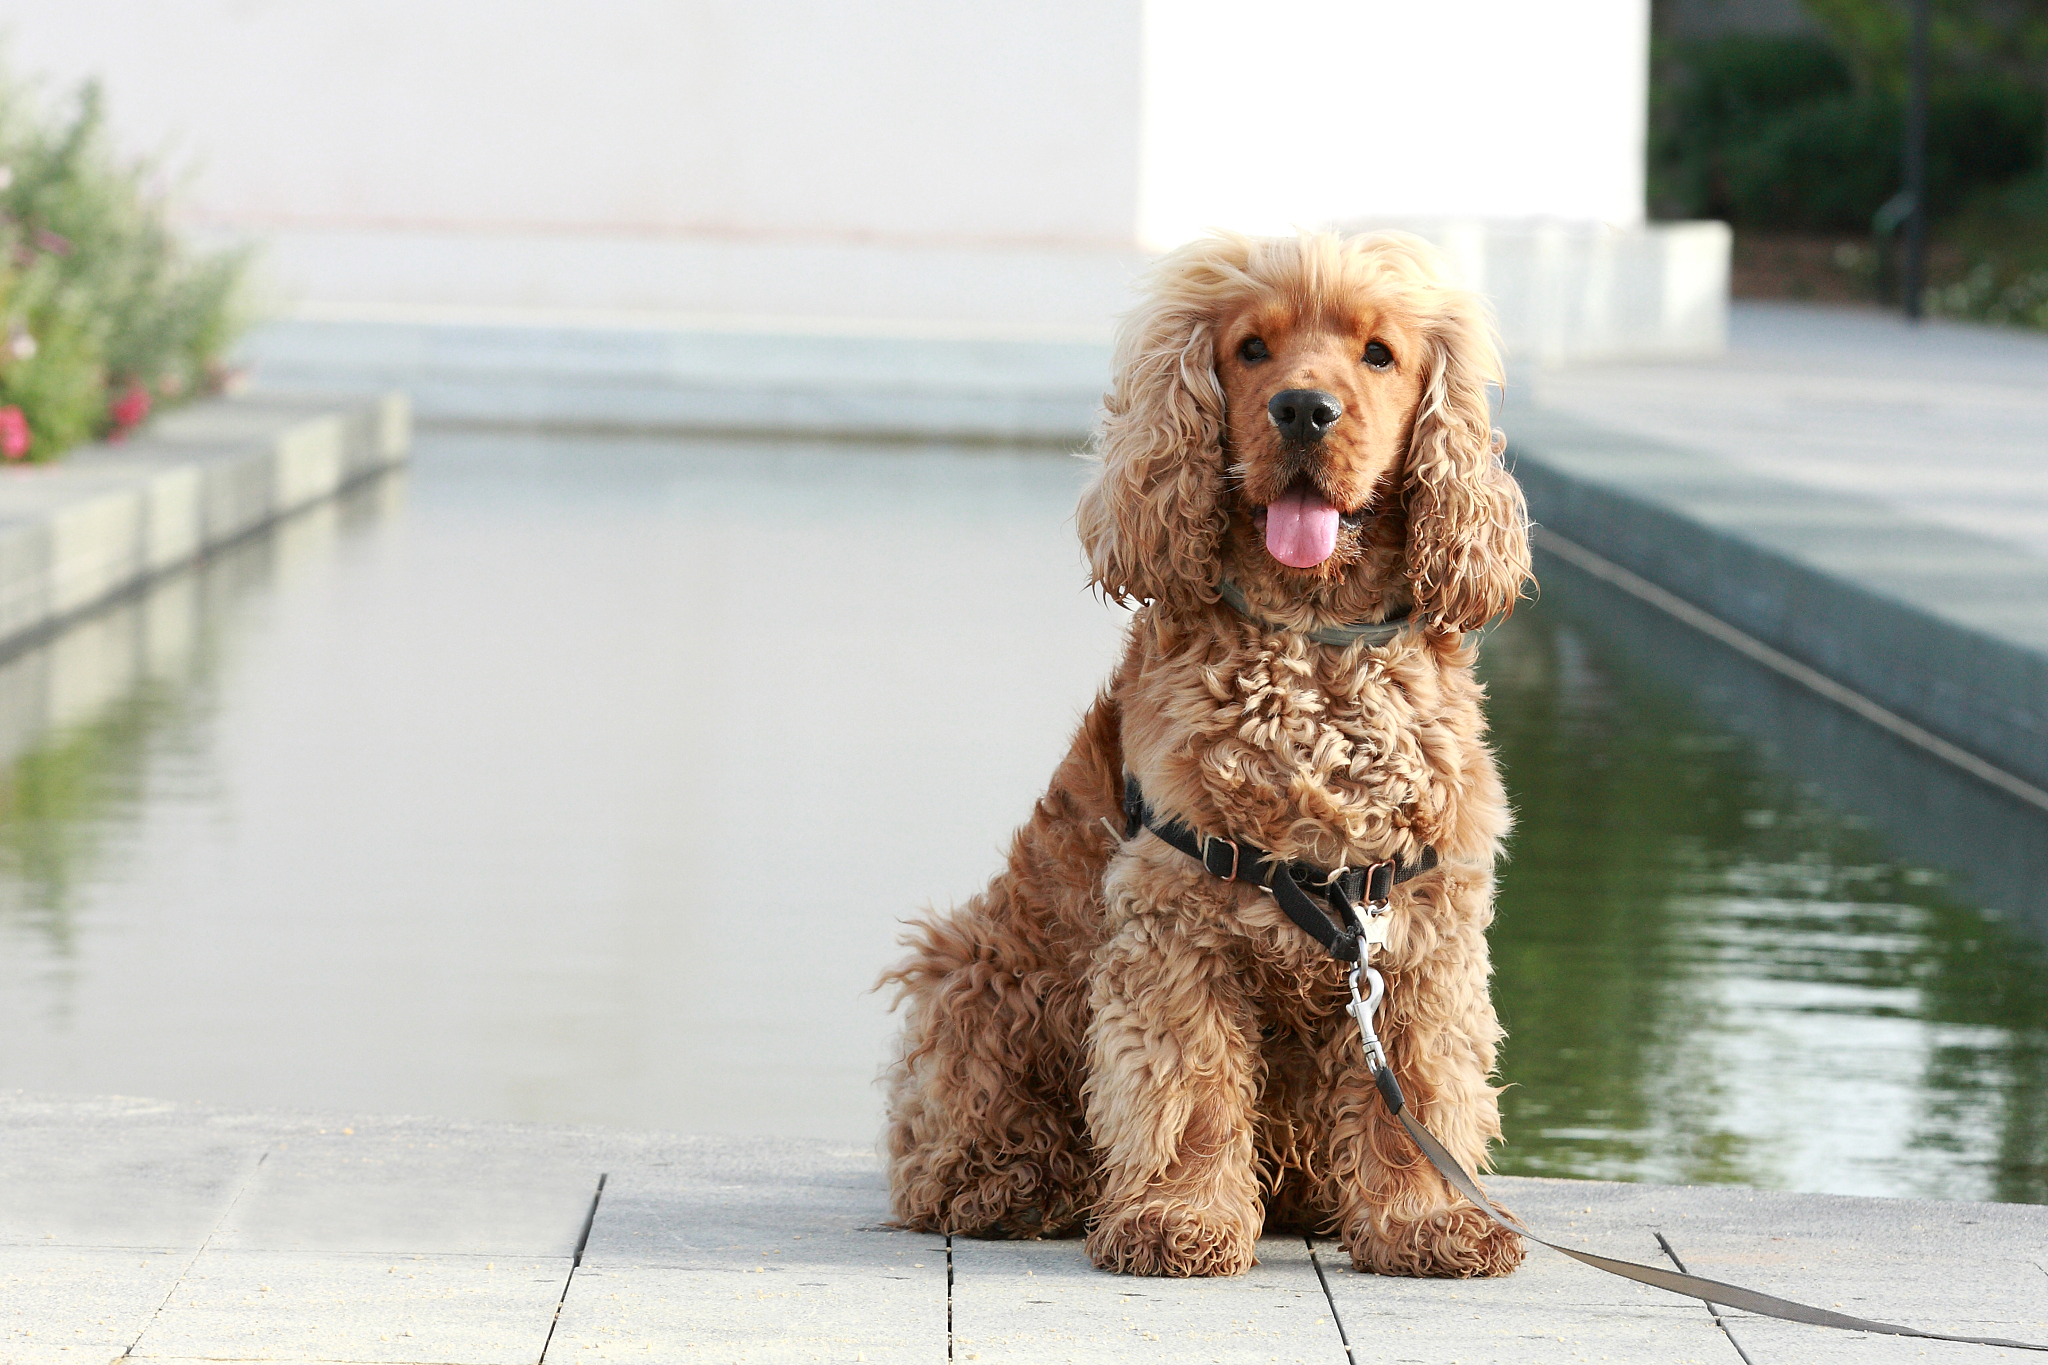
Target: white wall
{"points": [[980, 165], [902, 118], [1334, 110]]}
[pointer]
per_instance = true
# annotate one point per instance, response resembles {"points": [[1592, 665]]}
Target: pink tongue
{"points": [[1301, 529]]}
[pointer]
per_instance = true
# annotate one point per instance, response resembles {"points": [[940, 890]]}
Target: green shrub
{"points": [[1709, 98], [101, 313], [1827, 163], [1775, 132], [2003, 233]]}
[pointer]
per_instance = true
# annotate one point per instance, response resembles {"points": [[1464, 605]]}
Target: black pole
{"points": [[1913, 266]]}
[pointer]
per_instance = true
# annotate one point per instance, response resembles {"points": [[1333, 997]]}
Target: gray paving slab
{"points": [[1946, 422], [754, 1252], [117, 1173], [1553, 1308], [365, 1230], [268, 1305], [785, 1309], [1966, 1269], [1044, 1303], [445, 1192], [65, 1303]]}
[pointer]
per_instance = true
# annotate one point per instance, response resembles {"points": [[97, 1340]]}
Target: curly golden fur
{"points": [[1108, 1039]]}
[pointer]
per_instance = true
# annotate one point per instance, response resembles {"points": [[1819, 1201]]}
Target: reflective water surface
{"points": [[587, 780], [1712, 969]]}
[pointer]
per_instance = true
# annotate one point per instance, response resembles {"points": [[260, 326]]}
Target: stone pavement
{"points": [[1942, 422], [151, 1231]]}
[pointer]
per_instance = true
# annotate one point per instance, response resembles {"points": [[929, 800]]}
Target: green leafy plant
{"points": [[1787, 133], [102, 314], [2003, 235], [1710, 99]]}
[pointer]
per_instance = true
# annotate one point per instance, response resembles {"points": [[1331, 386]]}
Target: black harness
{"points": [[1233, 860]]}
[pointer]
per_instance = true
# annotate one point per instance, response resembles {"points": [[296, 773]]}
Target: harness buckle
{"points": [[1212, 857], [1379, 885]]}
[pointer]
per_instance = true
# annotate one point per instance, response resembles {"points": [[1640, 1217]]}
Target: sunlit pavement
{"points": [[166, 1232]]}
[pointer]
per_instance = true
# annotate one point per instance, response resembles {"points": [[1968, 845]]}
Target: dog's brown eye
{"points": [[1252, 350], [1378, 356]]}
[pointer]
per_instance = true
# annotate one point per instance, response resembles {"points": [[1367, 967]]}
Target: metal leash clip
{"points": [[1363, 1010]]}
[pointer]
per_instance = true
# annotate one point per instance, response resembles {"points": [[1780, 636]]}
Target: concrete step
{"points": [[724, 377], [109, 516]]}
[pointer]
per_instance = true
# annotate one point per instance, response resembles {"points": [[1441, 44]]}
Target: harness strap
{"points": [[1234, 860]]}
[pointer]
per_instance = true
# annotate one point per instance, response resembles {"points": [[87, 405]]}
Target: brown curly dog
{"points": [[1108, 1038]]}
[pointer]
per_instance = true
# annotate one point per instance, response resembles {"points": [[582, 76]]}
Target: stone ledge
{"points": [[675, 380], [1942, 627], [111, 516]]}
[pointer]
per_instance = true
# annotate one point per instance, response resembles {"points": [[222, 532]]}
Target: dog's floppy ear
{"points": [[1468, 528], [1152, 518]]}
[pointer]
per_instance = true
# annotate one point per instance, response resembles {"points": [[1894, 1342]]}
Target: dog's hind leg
{"points": [[986, 1135], [985, 1131]]}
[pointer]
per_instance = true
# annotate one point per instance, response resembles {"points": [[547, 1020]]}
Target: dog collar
{"points": [[1373, 634]]}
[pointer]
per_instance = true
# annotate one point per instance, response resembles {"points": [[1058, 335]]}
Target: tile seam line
{"points": [[199, 1251], [1329, 1298], [575, 1264], [1712, 1311], [1786, 666]]}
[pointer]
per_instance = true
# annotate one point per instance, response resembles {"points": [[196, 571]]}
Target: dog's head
{"points": [[1308, 416]]}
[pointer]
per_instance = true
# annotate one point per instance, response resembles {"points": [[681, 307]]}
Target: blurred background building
{"points": [[904, 166]]}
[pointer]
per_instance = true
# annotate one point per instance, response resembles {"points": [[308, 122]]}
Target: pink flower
{"points": [[14, 434], [129, 409]]}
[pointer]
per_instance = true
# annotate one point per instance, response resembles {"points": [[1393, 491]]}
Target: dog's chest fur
{"points": [[1330, 755]]}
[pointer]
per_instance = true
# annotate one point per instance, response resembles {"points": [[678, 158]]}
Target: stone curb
{"points": [[1946, 629], [673, 381], [112, 516]]}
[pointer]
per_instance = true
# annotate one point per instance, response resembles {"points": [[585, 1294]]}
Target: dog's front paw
{"points": [[1455, 1243], [1172, 1239]]}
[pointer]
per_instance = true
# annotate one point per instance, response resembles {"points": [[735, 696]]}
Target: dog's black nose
{"points": [[1304, 415]]}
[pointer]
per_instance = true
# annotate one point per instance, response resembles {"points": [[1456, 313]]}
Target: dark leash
{"points": [[1350, 936]]}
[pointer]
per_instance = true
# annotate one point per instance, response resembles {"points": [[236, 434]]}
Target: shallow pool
{"points": [[587, 781]]}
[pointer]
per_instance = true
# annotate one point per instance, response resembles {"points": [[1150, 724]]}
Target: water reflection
{"points": [[592, 788], [109, 713], [1710, 971]]}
